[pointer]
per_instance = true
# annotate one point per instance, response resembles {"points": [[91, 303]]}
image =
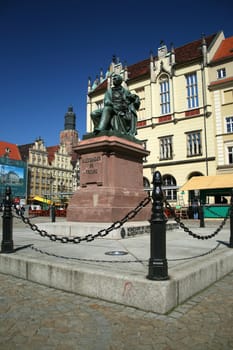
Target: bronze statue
{"points": [[119, 112]]}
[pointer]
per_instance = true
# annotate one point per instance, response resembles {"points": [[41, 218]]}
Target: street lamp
{"points": [[52, 206], [51, 179]]}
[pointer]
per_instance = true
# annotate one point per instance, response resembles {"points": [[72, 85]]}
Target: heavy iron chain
{"points": [[116, 225], [186, 229], [117, 261], [89, 238]]}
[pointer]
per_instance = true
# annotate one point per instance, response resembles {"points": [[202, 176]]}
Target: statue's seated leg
{"points": [[95, 117], [133, 129], [119, 123], [105, 120]]}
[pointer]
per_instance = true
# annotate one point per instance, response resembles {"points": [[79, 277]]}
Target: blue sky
{"points": [[49, 48]]}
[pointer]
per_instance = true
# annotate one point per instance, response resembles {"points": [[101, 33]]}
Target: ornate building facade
{"points": [[221, 88], [185, 118], [53, 171]]}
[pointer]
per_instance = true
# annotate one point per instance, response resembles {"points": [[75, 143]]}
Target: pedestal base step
{"points": [[81, 229]]}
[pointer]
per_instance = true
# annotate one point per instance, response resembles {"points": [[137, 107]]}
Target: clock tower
{"points": [[69, 136]]}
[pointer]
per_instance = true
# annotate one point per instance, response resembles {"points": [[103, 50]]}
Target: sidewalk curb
{"points": [[129, 289]]}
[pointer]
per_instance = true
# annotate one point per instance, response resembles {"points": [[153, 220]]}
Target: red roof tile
{"points": [[51, 151], [192, 51], [221, 81], [9, 149], [225, 50], [139, 69], [183, 54]]}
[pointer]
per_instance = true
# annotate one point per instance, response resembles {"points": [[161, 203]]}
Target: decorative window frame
{"points": [[165, 94], [195, 144], [170, 189], [229, 123], [228, 145], [192, 90], [166, 147]]}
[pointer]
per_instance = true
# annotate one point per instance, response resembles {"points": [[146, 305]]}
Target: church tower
{"points": [[69, 136]]}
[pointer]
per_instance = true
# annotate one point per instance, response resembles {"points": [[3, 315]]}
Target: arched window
{"points": [[146, 184], [169, 187], [194, 173], [164, 94], [192, 90], [194, 195]]}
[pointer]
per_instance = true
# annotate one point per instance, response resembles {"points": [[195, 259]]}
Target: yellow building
{"points": [[50, 172], [221, 87], [53, 171], [62, 173], [176, 120]]}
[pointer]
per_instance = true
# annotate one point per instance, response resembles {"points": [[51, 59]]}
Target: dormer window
{"points": [[7, 151], [221, 73]]}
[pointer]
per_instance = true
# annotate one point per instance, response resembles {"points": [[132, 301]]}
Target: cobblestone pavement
{"points": [[36, 317]]}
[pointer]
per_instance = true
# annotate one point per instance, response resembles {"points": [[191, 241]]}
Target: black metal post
{"points": [[7, 245], [201, 215], [231, 222], [53, 213], [158, 263]]}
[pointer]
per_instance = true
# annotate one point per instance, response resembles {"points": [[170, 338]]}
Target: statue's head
{"points": [[117, 79]]}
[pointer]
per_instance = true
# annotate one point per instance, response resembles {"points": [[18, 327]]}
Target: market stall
{"points": [[214, 193]]}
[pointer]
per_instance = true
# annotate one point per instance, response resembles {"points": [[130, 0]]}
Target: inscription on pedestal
{"points": [[111, 181], [134, 231], [91, 170]]}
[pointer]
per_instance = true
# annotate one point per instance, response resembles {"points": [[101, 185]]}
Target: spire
{"points": [[151, 56], [89, 84], [96, 83], [125, 72], [151, 65], [204, 50], [70, 119], [101, 75], [114, 59], [172, 55]]}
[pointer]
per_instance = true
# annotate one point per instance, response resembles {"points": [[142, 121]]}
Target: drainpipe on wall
{"points": [[203, 66]]}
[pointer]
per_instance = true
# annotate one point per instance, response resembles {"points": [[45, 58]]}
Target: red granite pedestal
{"points": [[111, 180]]}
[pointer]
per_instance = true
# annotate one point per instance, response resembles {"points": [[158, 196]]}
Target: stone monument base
{"points": [[111, 181], [128, 230], [103, 204]]}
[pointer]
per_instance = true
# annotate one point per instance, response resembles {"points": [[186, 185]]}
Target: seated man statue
{"points": [[119, 112]]}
